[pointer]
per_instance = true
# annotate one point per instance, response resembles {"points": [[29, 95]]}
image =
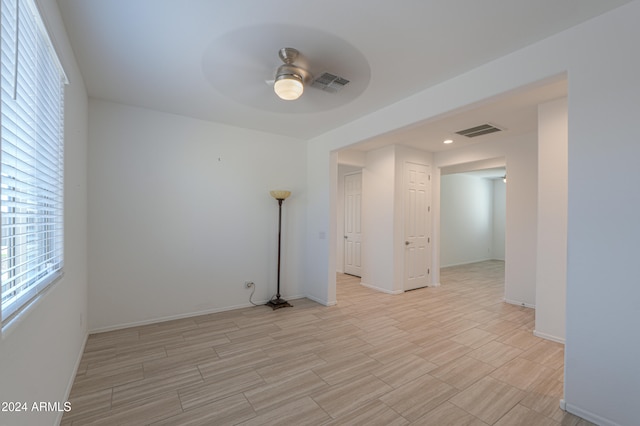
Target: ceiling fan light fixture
{"points": [[288, 86]]}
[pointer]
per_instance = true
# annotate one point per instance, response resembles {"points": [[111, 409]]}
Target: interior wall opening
{"points": [[473, 219], [516, 113]]}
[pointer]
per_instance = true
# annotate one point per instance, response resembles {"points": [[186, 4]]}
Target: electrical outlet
{"points": [[248, 284]]}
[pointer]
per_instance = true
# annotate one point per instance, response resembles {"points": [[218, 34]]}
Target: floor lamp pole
{"points": [[277, 301]]}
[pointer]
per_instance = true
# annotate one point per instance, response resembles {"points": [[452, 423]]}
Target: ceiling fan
{"points": [[291, 77]]}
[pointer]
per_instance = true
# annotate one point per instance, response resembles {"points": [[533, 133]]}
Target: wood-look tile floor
{"points": [[452, 355]]}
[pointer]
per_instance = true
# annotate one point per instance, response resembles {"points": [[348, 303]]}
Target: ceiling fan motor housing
{"points": [[288, 56]]}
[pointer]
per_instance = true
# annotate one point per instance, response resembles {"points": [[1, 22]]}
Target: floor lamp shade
{"points": [[276, 301], [280, 195]]}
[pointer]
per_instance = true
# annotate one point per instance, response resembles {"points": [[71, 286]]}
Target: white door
{"points": [[417, 210], [352, 224]]}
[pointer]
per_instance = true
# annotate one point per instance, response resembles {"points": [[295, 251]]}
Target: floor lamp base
{"points": [[279, 303]]}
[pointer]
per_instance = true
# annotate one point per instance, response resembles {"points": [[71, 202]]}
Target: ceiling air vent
{"points": [[483, 129], [329, 82]]}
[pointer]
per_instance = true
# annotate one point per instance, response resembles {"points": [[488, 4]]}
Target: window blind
{"points": [[31, 166]]}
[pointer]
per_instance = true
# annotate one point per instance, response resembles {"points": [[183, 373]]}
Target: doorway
{"points": [[473, 217]]}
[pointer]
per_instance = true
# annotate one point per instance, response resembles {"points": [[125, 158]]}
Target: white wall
{"points": [[322, 182], [378, 215], [603, 295], [466, 219], [351, 157], [499, 218], [603, 288], [40, 351], [551, 274], [181, 216], [521, 229]]}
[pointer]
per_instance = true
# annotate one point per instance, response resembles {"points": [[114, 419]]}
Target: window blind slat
{"points": [[31, 169]]}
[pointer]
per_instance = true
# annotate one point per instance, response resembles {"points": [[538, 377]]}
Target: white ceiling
{"points": [[496, 173], [210, 59], [514, 113]]}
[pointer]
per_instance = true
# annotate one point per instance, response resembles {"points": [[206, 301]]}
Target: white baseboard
{"points": [[587, 415], [469, 262], [519, 303], [382, 290], [186, 315], [322, 302], [73, 376], [548, 337]]}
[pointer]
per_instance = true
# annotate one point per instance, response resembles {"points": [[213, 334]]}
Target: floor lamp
{"points": [[277, 302]]}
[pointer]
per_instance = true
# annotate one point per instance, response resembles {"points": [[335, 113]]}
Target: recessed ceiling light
{"points": [[448, 141]]}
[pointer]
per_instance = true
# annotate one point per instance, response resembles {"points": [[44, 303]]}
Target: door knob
{"points": [[345, 237], [406, 243]]}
